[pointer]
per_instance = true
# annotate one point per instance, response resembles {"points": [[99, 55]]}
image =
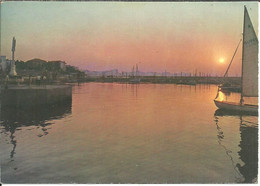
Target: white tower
{"points": [[12, 70]]}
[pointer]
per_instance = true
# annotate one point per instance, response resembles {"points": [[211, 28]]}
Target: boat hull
{"points": [[136, 80], [236, 107], [230, 89], [184, 83]]}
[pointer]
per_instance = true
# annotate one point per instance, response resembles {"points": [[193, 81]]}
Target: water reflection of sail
{"points": [[12, 118], [248, 146], [248, 153], [221, 137]]}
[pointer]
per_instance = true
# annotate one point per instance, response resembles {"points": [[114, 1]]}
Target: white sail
{"points": [[249, 59]]}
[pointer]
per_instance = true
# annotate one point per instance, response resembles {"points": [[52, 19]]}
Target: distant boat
{"points": [[227, 87], [249, 81], [186, 82], [135, 80]]}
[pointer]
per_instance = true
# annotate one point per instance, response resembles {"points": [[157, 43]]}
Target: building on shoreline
{"points": [[4, 63]]}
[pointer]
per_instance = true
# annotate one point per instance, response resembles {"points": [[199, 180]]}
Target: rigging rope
{"points": [[232, 59]]}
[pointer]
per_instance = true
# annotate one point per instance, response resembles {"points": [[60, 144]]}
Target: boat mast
{"points": [[241, 98], [136, 69], [133, 71]]}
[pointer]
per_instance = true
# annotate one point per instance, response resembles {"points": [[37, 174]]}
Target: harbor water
{"points": [[129, 133]]}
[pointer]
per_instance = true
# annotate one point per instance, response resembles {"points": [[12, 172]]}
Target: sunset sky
{"points": [[159, 36]]}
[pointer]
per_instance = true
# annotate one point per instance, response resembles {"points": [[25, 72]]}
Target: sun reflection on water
{"points": [[221, 96]]}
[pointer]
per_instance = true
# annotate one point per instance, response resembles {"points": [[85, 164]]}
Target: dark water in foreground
{"points": [[118, 133]]}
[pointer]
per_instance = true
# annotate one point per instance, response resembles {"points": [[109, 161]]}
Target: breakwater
{"points": [[128, 79], [26, 96], [169, 80]]}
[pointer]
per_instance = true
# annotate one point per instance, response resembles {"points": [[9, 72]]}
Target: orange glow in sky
{"points": [[158, 36]]}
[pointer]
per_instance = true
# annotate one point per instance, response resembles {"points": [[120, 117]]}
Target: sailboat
{"points": [[135, 78], [249, 79]]}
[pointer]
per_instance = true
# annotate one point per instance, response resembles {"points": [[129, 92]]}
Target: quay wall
{"points": [[25, 96]]}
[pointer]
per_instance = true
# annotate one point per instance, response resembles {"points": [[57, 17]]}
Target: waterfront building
{"points": [[3, 63], [57, 65], [63, 66]]}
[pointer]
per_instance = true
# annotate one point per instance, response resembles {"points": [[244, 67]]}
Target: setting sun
{"points": [[221, 60]]}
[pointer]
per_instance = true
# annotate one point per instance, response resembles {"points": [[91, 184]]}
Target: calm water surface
{"points": [[126, 133]]}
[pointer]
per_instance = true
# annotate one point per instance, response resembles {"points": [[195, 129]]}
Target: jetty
{"points": [[34, 95]]}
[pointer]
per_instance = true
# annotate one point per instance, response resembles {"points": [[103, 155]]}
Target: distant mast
{"points": [[12, 70], [136, 73], [133, 71]]}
